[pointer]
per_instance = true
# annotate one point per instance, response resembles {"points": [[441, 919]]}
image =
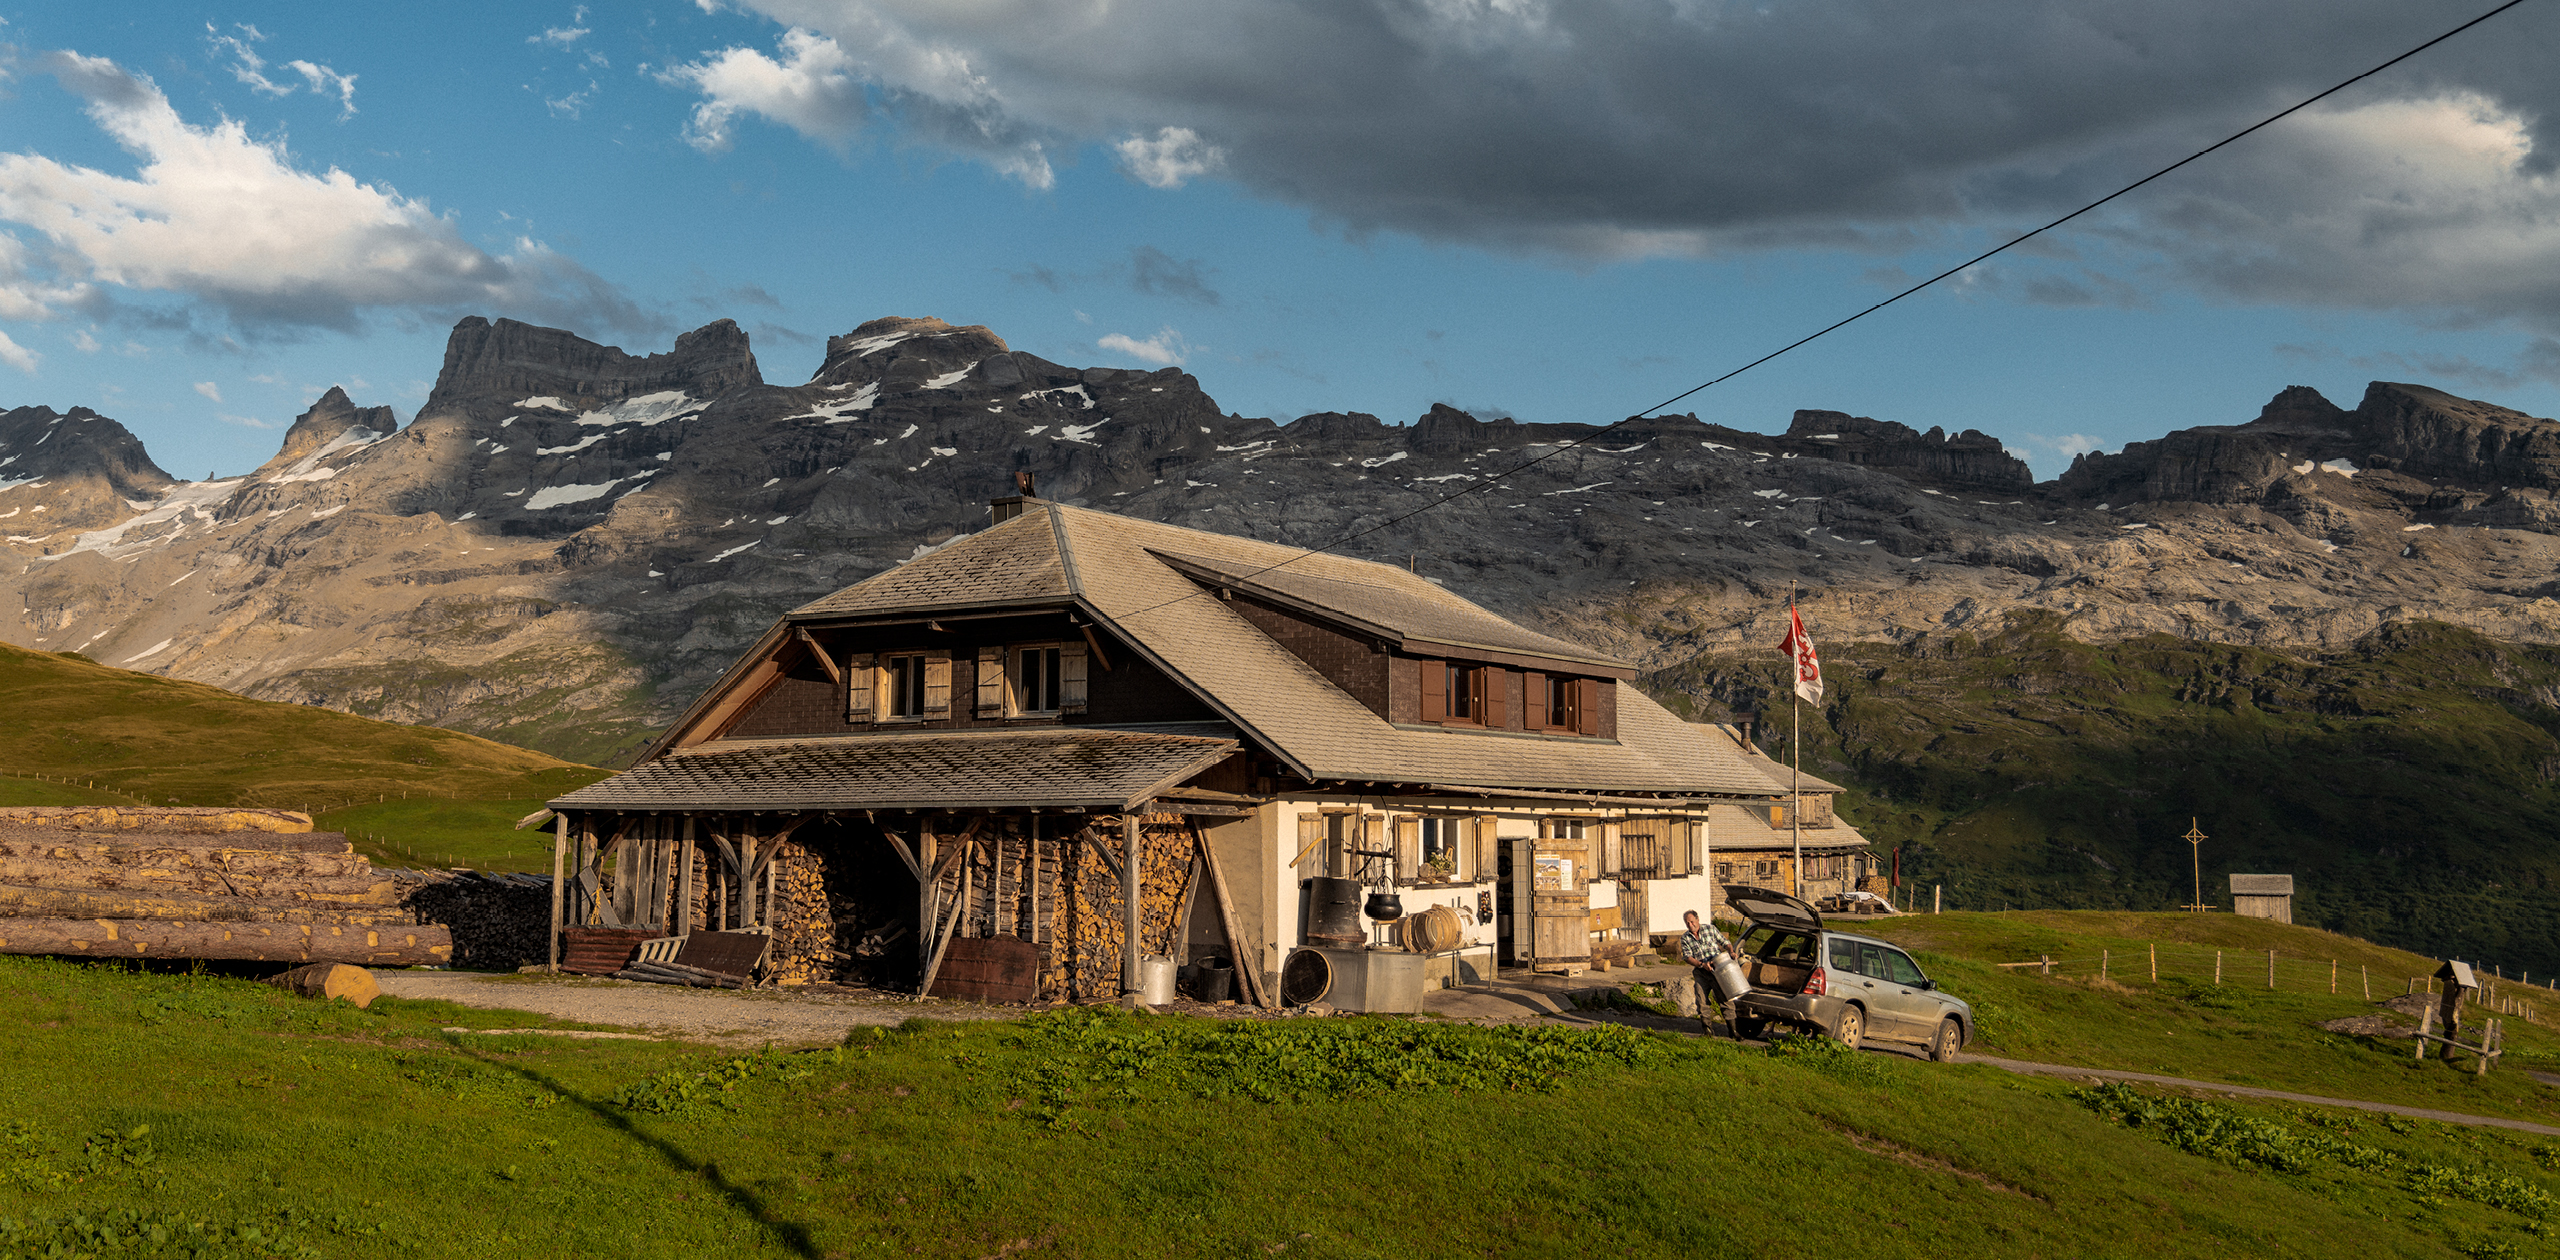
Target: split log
{"points": [[118, 903], [255, 942], [37, 850], [205, 820]]}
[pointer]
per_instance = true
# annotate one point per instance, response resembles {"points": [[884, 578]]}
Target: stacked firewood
{"points": [[803, 920], [1086, 919], [500, 922], [199, 883]]}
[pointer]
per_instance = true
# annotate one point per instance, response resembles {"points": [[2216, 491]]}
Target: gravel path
{"points": [[716, 1016]]}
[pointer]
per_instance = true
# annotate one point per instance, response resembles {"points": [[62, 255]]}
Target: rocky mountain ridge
{"points": [[568, 541]]}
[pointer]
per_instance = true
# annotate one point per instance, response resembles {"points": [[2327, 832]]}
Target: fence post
{"points": [[2217, 966], [2103, 956], [1937, 897], [2333, 977], [2048, 963], [2367, 977], [2271, 969]]}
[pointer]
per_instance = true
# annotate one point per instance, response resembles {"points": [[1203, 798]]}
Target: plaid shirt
{"points": [[1700, 947]]}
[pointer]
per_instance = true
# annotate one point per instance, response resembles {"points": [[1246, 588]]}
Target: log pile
{"points": [[803, 919], [199, 883], [500, 922], [1084, 917]]}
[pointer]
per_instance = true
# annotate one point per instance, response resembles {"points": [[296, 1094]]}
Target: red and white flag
{"points": [[1799, 649]]}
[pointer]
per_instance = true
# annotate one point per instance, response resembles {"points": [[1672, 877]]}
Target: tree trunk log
{"points": [[19, 861], [263, 941], [125, 903], [361, 888]]}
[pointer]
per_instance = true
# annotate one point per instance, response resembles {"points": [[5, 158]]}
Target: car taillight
{"points": [[1818, 984]]}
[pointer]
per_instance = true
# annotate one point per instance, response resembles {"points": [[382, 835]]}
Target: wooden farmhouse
{"points": [[988, 769], [1754, 842]]}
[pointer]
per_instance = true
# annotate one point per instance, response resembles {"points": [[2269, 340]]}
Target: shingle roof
{"points": [[2262, 885], [1385, 599], [1741, 828], [1117, 568], [1066, 767]]}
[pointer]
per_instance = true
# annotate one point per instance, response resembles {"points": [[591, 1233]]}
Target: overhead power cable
{"points": [[1597, 434]]}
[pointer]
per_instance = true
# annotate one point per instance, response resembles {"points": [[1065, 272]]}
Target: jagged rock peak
{"points": [[38, 442], [1971, 460], [2302, 407], [511, 360], [903, 347], [329, 419]]}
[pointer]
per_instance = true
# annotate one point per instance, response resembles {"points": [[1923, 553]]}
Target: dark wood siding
{"points": [[803, 703], [1347, 662]]}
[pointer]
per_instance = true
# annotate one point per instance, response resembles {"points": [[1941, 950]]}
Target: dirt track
{"points": [[715, 1016]]}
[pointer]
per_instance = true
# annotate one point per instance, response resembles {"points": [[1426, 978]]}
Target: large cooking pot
{"points": [[1385, 906]]}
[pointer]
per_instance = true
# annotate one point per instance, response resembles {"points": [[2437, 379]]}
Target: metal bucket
{"points": [[1155, 979]]}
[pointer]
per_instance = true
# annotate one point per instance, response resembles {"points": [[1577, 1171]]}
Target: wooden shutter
{"points": [[1587, 706], [1311, 857], [1475, 857], [1071, 676], [1408, 848], [1435, 691], [1524, 891], [937, 684], [1493, 679], [1533, 701], [1372, 835], [862, 688], [1613, 856], [990, 682]]}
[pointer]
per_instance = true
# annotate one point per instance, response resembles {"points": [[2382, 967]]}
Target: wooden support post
{"points": [[2367, 978], [926, 877], [950, 928], [2217, 966], [1937, 897], [559, 885], [2103, 957], [2271, 969], [1031, 871], [1130, 863], [2333, 977], [2047, 968], [2155, 962], [1248, 965], [2426, 1020], [684, 880]]}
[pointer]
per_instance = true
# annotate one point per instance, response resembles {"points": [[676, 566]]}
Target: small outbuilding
{"points": [[2263, 897]]}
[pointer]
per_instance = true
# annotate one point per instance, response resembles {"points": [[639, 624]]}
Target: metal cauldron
{"points": [[1385, 907]]}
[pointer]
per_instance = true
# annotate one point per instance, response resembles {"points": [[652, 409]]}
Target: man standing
{"points": [[1699, 947]]}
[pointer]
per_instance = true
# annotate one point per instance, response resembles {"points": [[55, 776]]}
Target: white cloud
{"points": [[247, 422], [234, 224], [246, 65], [209, 390], [17, 356], [819, 89], [83, 342], [1164, 349], [1171, 159], [574, 105], [325, 81], [559, 36], [2049, 454]]}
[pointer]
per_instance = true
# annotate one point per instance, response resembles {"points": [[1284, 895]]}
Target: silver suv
{"points": [[1850, 988]]}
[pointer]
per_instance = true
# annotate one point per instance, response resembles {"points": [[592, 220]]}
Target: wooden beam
{"points": [[826, 659], [559, 886], [684, 881], [899, 846], [534, 819], [1093, 645], [950, 928], [1133, 863], [1248, 965]]}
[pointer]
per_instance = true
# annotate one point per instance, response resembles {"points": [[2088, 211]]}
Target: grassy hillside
{"points": [[143, 739], [2411, 785], [2239, 1031], [315, 1130]]}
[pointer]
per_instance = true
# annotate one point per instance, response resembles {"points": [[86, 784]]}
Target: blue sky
{"points": [[1559, 212]]}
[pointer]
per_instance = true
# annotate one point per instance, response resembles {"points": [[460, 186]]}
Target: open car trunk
{"points": [[1782, 946]]}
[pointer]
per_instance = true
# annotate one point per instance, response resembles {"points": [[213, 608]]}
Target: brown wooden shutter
{"points": [[1475, 857], [1408, 848], [1533, 701], [861, 688], [1492, 679], [1311, 855], [990, 682], [1435, 691], [937, 684], [1071, 677], [1612, 846], [1587, 706]]}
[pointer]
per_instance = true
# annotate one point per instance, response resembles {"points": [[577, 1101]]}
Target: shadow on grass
{"points": [[790, 1234]]}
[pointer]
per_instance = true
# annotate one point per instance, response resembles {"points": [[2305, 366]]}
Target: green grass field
{"points": [[244, 1122], [410, 795]]}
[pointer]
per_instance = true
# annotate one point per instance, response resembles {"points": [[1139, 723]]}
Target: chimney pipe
{"points": [[1001, 510]]}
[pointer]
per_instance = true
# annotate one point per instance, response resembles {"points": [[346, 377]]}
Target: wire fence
{"points": [[254, 798], [2272, 970]]}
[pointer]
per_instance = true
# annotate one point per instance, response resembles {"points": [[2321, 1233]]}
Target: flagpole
{"points": [[1795, 772]]}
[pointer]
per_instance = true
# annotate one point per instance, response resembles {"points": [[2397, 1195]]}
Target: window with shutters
{"points": [[905, 689], [1659, 848], [1561, 705], [1724, 871], [1039, 680], [1440, 849]]}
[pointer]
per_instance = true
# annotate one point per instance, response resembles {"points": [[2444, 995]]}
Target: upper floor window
{"points": [[1035, 680], [906, 685], [1457, 692], [1564, 703]]}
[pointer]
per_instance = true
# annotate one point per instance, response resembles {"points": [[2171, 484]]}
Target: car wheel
{"points": [[1749, 1027], [1950, 1038], [1852, 1028]]}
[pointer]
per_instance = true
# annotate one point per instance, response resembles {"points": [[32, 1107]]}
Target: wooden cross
{"points": [[2195, 839]]}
